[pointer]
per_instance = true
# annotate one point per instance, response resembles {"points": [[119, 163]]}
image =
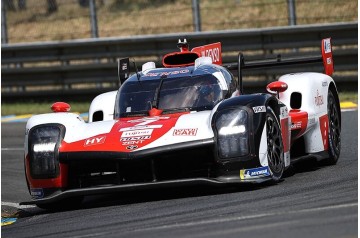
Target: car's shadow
{"points": [[125, 198], [304, 165], [134, 197]]}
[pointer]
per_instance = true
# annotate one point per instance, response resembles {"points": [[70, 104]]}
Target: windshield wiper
{"points": [[175, 110], [134, 114], [155, 102]]}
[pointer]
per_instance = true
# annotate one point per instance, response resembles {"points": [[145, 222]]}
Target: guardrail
{"points": [[85, 68]]}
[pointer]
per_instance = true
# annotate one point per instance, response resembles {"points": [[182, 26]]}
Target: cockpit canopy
{"points": [[187, 93]]}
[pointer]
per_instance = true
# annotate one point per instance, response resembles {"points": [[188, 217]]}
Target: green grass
{"points": [[348, 97], [128, 17], [22, 108], [81, 107]]}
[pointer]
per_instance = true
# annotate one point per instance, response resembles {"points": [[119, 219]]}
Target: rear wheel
{"points": [[275, 149], [334, 133]]}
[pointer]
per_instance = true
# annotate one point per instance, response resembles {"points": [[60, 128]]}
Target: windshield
{"points": [[190, 93]]}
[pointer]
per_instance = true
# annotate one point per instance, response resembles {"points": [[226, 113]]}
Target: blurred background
{"points": [[57, 20], [67, 50]]}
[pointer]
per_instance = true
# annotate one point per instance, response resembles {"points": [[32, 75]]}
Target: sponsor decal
{"points": [[146, 132], [37, 193], [95, 141], [311, 121], [296, 125], [124, 66], [328, 60], [259, 109], [137, 127], [213, 53], [131, 147], [184, 71], [324, 84], [327, 46], [283, 112], [255, 173], [185, 132], [211, 50], [319, 99], [134, 140]]}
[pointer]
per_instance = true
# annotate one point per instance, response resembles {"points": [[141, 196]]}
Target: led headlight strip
{"points": [[232, 128]]}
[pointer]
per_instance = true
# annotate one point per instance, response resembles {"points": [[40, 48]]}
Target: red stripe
{"points": [[299, 121], [285, 133], [148, 128]]}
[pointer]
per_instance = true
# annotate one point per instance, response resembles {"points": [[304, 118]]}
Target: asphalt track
{"points": [[313, 200]]}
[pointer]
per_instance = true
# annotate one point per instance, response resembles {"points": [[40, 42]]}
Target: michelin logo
{"points": [[254, 173]]}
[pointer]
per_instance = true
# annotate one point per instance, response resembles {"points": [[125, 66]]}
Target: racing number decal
{"points": [[140, 132], [324, 124], [144, 123]]}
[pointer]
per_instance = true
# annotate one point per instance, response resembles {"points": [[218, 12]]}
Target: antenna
{"points": [[241, 65]]}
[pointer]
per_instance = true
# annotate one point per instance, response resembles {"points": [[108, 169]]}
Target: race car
{"points": [[187, 123]]}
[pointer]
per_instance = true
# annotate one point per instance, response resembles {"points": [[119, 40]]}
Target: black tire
{"points": [[334, 132], [275, 148], [65, 204]]}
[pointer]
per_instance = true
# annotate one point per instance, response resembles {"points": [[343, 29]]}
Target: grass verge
{"points": [[22, 108]]}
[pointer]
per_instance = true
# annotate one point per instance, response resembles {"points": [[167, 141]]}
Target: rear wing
{"points": [[325, 57], [184, 57], [211, 50]]}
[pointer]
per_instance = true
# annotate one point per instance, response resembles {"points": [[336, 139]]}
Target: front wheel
{"points": [[275, 148]]}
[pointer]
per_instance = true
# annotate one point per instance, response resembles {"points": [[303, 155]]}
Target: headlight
{"points": [[43, 145], [232, 128]]}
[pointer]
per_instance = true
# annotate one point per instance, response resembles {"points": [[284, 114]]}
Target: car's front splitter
{"points": [[220, 181]]}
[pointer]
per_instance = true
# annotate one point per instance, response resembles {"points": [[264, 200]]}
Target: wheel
{"points": [[334, 133], [275, 148], [65, 204]]}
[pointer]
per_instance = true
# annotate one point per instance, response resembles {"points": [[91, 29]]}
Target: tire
{"points": [[275, 148], [65, 204], [334, 132]]}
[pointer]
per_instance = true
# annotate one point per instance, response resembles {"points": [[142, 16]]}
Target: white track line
{"points": [[16, 205], [12, 149], [349, 110]]}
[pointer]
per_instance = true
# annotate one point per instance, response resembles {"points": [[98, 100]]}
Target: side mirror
{"points": [[276, 87], [60, 107]]}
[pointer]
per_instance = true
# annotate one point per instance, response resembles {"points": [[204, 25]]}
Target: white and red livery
{"points": [[186, 123]]}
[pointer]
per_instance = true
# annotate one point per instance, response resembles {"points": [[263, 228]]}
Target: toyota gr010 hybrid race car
{"points": [[186, 123]]}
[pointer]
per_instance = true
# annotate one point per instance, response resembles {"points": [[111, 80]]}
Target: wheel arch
{"points": [[274, 104]]}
